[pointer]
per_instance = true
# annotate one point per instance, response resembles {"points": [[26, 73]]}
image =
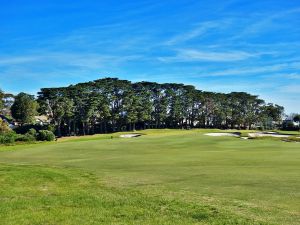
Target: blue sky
{"points": [[221, 46]]}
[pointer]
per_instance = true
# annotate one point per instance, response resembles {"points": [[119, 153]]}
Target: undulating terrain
{"points": [[162, 177]]}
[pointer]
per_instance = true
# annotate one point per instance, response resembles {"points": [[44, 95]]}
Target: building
{"points": [[42, 120]]}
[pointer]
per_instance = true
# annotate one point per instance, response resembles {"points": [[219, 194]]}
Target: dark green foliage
{"points": [[27, 127], [51, 128], [30, 136], [32, 132], [271, 116], [110, 104], [25, 138], [46, 135], [24, 108], [289, 125], [1, 99], [8, 138], [297, 118]]}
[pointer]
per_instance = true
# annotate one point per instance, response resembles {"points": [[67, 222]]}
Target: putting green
{"points": [[200, 179]]}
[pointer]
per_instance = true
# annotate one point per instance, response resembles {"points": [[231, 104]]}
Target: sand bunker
{"points": [[250, 135], [268, 134], [222, 134], [129, 135], [245, 138]]}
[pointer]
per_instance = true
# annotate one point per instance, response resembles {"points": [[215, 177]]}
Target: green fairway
{"points": [[162, 177]]}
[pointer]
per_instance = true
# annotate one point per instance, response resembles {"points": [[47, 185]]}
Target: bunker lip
{"points": [[130, 135]]}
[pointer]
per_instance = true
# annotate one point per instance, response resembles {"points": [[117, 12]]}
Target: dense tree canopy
{"points": [[297, 120], [24, 108], [1, 100], [6, 101], [110, 104]]}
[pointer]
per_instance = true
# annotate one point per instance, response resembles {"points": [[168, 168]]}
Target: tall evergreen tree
{"points": [[1, 100], [110, 104], [24, 108]]}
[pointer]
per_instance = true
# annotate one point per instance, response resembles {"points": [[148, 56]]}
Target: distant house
{"points": [[42, 120]]}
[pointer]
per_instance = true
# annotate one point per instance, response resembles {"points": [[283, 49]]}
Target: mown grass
{"points": [[162, 177], [288, 132], [42, 195]]}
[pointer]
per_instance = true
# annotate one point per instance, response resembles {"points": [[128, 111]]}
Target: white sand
{"points": [[245, 138], [129, 135], [222, 134], [257, 134], [268, 134]]}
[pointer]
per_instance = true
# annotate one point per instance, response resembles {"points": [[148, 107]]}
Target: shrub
{"points": [[32, 132], [51, 127], [8, 138], [25, 137], [4, 128], [46, 135], [27, 127], [30, 136]]}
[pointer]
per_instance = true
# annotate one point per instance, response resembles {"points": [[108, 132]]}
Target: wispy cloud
{"points": [[265, 22], [257, 70], [191, 55], [86, 60], [291, 76], [199, 30], [293, 89], [9, 61]]}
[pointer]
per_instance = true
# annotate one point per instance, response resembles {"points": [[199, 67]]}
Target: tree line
{"points": [[22, 108], [111, 104]]}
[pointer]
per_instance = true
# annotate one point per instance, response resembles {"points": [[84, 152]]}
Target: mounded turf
{"points": [[163, 177]]}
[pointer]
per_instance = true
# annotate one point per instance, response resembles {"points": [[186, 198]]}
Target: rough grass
{"points": [[292, 139], [162, 177]]}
